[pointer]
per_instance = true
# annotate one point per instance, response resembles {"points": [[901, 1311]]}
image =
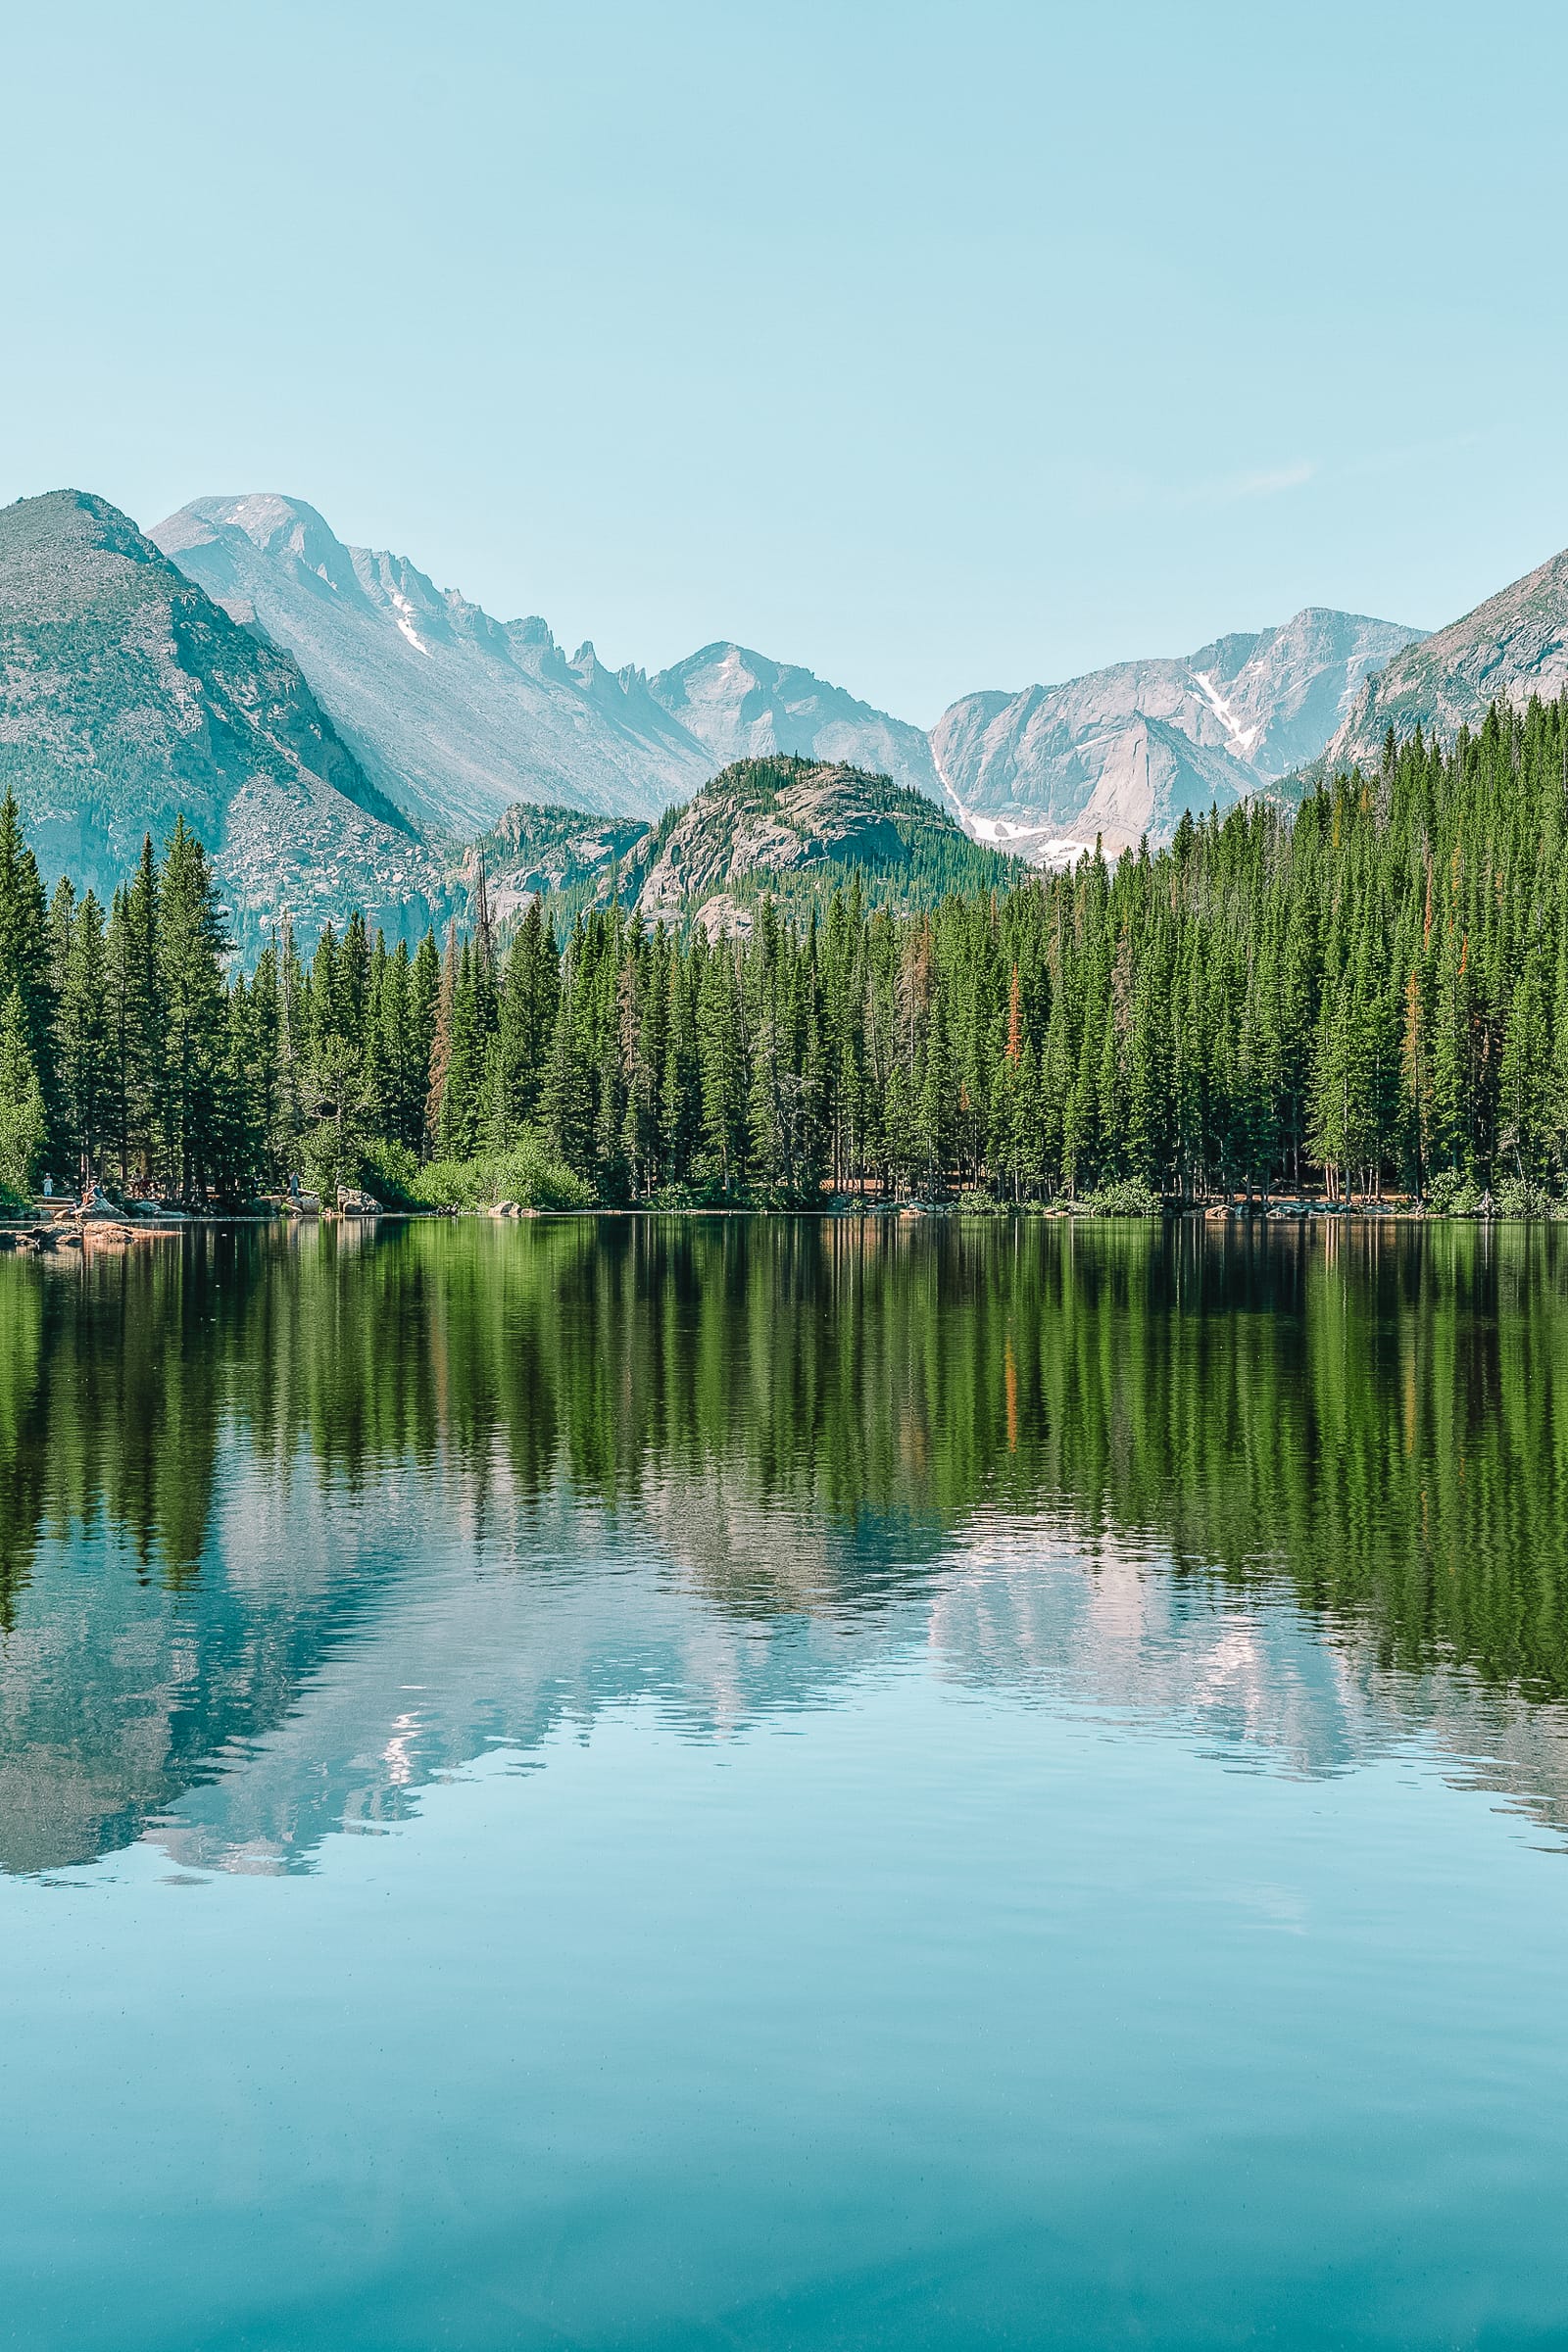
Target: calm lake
{"points": [[762, 1783]]}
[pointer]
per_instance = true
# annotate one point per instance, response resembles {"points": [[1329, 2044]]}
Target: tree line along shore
{"points": [[1360, 998]]}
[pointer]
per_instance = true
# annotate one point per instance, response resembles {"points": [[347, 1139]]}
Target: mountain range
{"points": [[1131, 749], [339, 729], [453, 714], [456, 715]]}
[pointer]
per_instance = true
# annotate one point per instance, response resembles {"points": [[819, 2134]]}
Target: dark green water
{"points": [[774, 1783]]}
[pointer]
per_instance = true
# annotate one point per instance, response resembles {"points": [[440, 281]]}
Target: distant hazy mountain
{"points": [[1511, 647], [1128, 750], [455, 715], [331, 722], [128, 696], [745, 707]]}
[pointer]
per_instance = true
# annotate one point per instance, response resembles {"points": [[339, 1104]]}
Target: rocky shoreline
{"points": [[100, 1229]]}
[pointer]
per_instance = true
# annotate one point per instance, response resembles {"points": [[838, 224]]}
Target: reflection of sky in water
{"points": [[918, 1971]]}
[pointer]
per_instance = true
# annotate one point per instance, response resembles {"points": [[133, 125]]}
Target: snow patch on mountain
{"points": [[456, 715], [405, 619], [1241, 738], [1126, 752]]}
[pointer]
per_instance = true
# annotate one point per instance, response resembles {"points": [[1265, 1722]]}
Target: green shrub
{"points": [[1131, 1198], [1452, 1195], [528, 1174], [675, 1197], [1518, 1196], [392, 1173]]}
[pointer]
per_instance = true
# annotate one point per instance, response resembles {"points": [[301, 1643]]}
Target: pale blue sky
{"points": [[937, 347]]}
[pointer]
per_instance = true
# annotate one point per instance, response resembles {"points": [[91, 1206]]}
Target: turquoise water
{"points": [[765, 1788]]}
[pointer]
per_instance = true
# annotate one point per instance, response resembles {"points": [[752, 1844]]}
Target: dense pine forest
{"points": [[1367, 994]]}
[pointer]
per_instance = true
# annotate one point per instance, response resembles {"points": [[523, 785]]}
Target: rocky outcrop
{"points": [[534, 852], [777, 825]]}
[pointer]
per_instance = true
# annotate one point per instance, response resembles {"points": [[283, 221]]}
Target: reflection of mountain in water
{"points": [[288, 1527], [1267, 1682], [455, 1662]]}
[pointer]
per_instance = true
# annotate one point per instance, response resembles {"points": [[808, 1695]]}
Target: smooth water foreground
{"points": [[766, 1784]]}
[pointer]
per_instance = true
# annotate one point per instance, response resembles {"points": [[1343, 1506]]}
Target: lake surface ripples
{"points": [[785, 1783]]}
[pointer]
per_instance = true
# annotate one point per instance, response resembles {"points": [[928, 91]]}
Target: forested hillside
{"points": [[1372, 995], [791, 829]]}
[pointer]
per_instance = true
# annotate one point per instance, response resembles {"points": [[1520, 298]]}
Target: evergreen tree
{"points": [[84, 1045], [133, 1124], [21, 1113], [722, 1059], [192, 943], [24, 950], [458, 1120]]}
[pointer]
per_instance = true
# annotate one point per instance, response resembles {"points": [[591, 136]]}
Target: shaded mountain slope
{"points": [[1513, 646], [129, 697], [561, 855]]}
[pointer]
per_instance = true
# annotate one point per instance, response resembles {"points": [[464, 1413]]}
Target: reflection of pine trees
{"points": [[24, 1454], [1378, 1417]]}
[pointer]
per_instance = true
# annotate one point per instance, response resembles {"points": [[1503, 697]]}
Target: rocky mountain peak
{"points": [[455, 714], [287, 530], [1124, 750]]}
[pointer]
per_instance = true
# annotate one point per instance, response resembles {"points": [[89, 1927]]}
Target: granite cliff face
{"points": [[1512, 647], [1130, 750], [127, 697]]}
